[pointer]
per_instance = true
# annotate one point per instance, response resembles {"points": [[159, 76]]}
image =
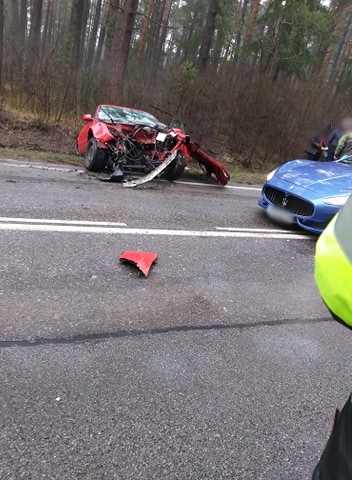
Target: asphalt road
{"points": [[223, 364]]}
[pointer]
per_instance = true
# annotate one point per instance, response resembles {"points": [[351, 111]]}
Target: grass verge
{"points": [[249, 178], [50, 157]]}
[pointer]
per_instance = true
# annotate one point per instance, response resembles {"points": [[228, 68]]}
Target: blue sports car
{"points": [[307, 193]]}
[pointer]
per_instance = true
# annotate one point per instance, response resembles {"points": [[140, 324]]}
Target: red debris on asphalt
{"points": [[142, 260]]}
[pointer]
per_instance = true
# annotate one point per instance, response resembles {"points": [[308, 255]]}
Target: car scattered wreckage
{"points": [[122, 141], [142, 260]]}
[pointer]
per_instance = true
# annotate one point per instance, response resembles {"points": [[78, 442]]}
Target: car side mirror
{"points": [[87, 117], [177, 125]]}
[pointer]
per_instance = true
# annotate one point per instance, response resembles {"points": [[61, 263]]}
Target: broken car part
{"points": [[142, 260]]}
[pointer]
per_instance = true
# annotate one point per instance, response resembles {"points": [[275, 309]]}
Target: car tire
{"points": [[95, 158], [176, 168]]}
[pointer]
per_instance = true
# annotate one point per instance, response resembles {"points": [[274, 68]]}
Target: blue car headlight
{"points": [[271, 174], [336, 201]]}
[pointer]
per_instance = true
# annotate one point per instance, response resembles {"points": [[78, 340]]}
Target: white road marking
{"points": [[235, 187], [148, 231], [60, 222], [70, 168], [259, 230]]}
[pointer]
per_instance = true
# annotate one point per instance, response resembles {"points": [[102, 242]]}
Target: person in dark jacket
{"points": [[317, 148], [332, 142]]}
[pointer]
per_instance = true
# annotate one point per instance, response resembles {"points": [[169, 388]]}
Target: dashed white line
{"points": [[70, 168], [258, 230], [60, 222]]}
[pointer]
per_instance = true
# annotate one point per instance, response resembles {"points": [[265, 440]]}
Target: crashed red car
{"points": [[123, 141]]}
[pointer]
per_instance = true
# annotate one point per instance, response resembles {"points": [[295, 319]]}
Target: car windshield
{"points": [[346, 160], [112, 114]]}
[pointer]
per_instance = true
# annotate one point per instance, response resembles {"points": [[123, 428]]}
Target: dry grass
{"points": [[50, 157], [249, 178]]}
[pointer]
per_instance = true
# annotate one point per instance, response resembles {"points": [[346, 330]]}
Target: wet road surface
{"points": [[224, 363]]}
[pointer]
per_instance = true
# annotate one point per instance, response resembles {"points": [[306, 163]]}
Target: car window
{"points": [[112, 114]]}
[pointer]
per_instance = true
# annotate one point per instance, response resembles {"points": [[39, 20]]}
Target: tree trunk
{"points": [[102, 36], [93, 35], [84, 20], [62, 20], [48, 26], [326, 51], [13, 43], [208, 34], [187, 35], [75, 51], [34, 32], [145, 28], [255, 4], [22, 37], [345, 35], [122, 42], [33, 52], [344, 65], [153, 35], [1, 39], [23, 25], [154, 42], [242, 17], [76, 33], [165, 23], [112, 14]]}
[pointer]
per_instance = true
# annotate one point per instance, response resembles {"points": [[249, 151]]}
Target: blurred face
{"points": [[346, 124], [325, 128]]}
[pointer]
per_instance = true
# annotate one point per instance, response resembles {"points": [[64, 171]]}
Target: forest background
{"points": [[250, 79]]}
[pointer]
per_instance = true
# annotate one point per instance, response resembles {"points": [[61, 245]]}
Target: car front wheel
{"points": [[95, 158], [176, 168]]}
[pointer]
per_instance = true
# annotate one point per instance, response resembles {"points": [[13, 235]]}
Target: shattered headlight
{"points": [[336, 201]]}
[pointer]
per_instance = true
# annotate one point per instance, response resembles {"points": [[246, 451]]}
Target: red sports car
{"points": [[123, 141]]}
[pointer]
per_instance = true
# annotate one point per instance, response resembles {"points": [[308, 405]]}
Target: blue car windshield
{"points": [[112, 114], [346, 160]]}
